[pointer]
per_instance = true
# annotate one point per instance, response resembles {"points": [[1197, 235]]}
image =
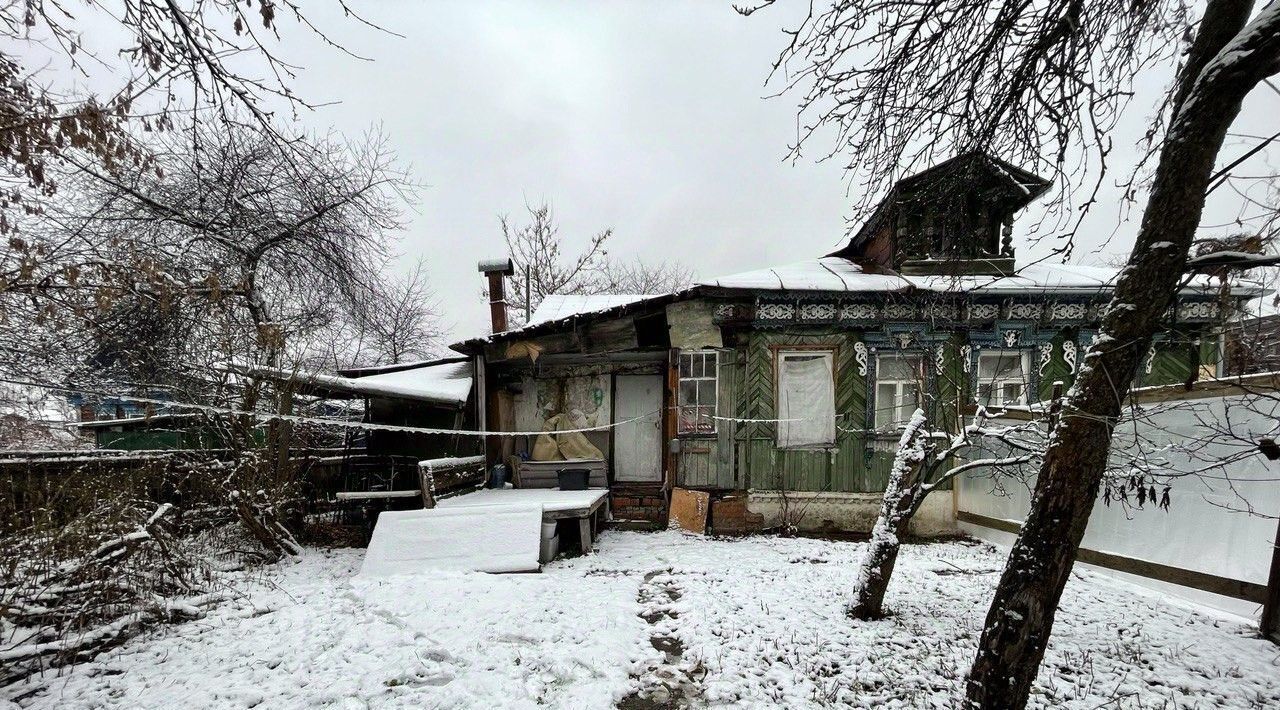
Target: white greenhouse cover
{"points": [[449, 382], [482, 538], [446, 382]]}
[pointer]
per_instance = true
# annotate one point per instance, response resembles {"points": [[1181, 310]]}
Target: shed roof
{"points": [[152, 420]]}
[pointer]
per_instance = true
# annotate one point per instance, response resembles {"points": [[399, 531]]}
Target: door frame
{"points": [[659, 458]]}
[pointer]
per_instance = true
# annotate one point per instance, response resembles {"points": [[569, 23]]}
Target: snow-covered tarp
{"points": [[482, 538], [445, 382]]}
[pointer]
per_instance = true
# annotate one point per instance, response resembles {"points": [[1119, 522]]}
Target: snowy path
{"points": [[756, 622]]}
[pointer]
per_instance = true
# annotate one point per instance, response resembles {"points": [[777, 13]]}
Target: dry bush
{"points": [[97, 552]]}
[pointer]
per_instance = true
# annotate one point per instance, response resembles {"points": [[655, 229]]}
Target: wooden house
{"points": [[778, 390]]}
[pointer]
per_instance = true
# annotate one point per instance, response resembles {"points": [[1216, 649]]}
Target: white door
{"points": [[637, 446]]}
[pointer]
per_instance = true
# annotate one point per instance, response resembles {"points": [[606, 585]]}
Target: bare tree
{"points": [[902, 82], [925, 459], [238, 253], [644, 278], [399, 321], [208, 60], [543, 267]]}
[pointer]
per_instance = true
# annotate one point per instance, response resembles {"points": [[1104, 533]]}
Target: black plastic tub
{"points": [[573, 479]]}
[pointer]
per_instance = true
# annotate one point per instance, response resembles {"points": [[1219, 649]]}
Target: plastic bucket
{"points": [[497, 476], [573, 479]]}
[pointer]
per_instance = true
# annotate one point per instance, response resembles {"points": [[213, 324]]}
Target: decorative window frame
{"points": [[1029, 338], [715, 407], [904, 338], [927, 381], [1031, 382]]}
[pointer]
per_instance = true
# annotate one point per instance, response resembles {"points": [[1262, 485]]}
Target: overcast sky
{"points": [[649, 118]]}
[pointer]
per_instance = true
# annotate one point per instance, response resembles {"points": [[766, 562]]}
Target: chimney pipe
{"points": [[495, 270]]}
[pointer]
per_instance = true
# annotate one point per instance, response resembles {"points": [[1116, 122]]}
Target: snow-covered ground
{"points": [[755, 622]]}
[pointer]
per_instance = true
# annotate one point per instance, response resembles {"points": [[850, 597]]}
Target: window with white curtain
{"points": [[806, 398], [1002, 378], [898, 384]]}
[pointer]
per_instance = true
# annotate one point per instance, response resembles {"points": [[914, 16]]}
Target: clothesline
{"points": [[266, 417]]}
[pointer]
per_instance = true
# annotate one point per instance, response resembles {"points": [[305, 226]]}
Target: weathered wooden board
{"points": [[609, 336], [689, 510], [543, 474]]}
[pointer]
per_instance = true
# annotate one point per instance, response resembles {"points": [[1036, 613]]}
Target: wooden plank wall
{"points": [[761, 464], [745, 455], [707, 462]]}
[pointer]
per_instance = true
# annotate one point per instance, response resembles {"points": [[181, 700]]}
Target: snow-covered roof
{"points": [[832, 273], [444, 382], [362, 370], [34, 404], [560, 306], [1032, 278], [447, 382]]}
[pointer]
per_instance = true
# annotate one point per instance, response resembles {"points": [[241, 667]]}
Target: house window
{"points": [[697, 392], [898, 380], [1002, 378], [806, 398]]}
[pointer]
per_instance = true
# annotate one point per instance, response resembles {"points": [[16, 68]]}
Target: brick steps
{"points": [[641, 506]]}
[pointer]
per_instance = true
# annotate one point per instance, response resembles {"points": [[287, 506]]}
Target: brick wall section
{"points": [[647, 505], [729, 516]]}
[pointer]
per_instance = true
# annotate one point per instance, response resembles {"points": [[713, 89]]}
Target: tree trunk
{"points": [[882, 552], [1212, 88], [901, 498]]}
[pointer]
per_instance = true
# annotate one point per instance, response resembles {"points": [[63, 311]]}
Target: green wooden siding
{"points": [[159, 438], [1057, 370], [707, 462], [1177, 356], [745, 454], [761, 464]]}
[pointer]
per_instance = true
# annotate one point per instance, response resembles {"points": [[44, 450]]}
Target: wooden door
{"points": [[637, 445]]}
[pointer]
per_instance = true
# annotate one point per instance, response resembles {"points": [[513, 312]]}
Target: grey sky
{"points": [[623, 115], [645, 117]]}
